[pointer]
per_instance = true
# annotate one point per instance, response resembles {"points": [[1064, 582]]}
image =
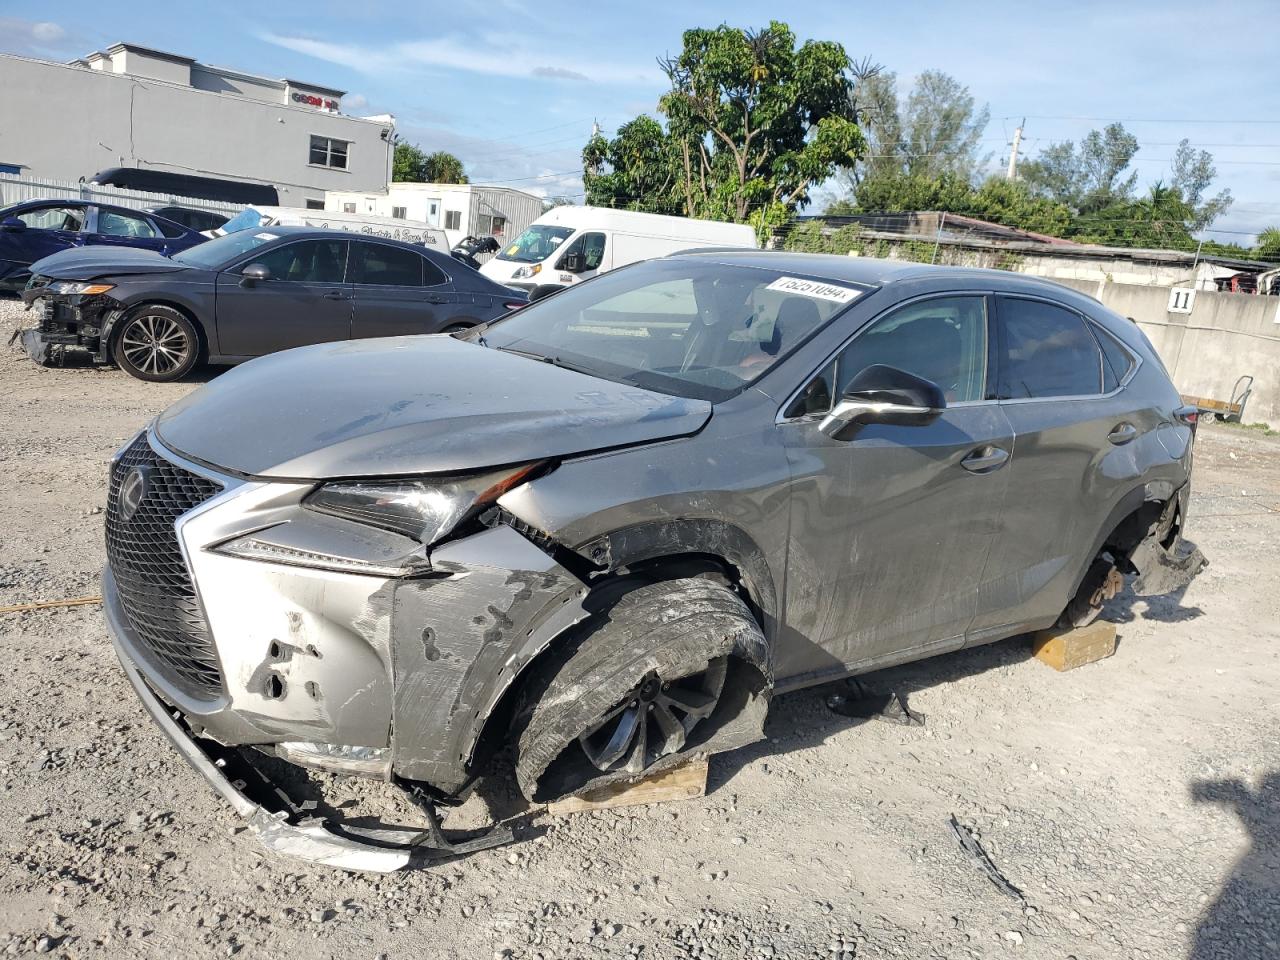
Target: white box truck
{"points": [[391, 228], [568, 245]]}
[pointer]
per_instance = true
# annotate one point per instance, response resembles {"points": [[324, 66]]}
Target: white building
{"points": [[134, 107], [462, 209]]}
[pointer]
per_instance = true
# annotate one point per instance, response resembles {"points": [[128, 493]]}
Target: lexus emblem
{"points": [[132, 491]]}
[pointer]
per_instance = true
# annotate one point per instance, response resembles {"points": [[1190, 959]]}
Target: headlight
{"points": [[82, 287], [425, 510], [524, 272]]}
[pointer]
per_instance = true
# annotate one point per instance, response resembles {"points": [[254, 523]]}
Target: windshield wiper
{"points": [[556, 362]]}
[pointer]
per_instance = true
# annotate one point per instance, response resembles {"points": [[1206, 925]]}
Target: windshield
{"points": [[536, 243], [680, 326], [246, 219], [213, 254]]}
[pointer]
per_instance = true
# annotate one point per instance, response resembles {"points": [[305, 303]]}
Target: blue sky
{"points": [[513, 86]]}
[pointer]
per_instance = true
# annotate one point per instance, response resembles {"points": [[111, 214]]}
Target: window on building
{"points": [[484, 225], [453, 219], [400, 213], [499, 226], [315, 204], [348, 208], [112, 224], [328, 152], [1048, 352]]}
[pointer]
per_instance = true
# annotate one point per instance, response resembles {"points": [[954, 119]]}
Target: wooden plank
{"points": [[1204, 403], [685, 782], [1068, 649]]}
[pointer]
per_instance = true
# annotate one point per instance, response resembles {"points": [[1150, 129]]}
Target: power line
{"points": [[1145, 120]]}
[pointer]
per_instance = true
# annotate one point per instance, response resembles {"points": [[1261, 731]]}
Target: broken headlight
{"points": [[81, 287], [425, 509]]}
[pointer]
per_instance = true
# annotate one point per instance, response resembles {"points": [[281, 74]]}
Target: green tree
{"points": [[1089, 178], [636, 170], [753, 121], [1269, 243], [1193, 172], [410, 164], [1160, 220]]}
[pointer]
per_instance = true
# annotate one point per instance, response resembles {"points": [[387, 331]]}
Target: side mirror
{"points": [[12, 223], [574, 262], [884, 394], [253, 274]]}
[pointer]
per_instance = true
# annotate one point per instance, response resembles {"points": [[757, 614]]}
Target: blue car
{"points": [[35, 229]]}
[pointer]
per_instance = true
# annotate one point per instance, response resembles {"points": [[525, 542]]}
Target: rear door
{"points": [[48, 229], [120, 228], [307, 300], [1073, 458], [891, 528], [398, 292]]}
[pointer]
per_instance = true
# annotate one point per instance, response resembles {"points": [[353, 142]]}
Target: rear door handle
{"points": [[985, 459], [435, 298], [1123, 433], [334, 295]]}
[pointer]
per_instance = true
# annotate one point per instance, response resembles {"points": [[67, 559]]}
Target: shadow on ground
{"points": [[1243, 923]]}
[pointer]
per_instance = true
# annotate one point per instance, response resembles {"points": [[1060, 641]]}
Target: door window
{"points": [[591, 246], [113, 224], [70, 219], [388, 266], [1047, 352], [307, 261], [943, 340]]}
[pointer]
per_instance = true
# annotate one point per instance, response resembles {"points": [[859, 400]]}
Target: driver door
{"points": [[891, 528], [589, 251]]}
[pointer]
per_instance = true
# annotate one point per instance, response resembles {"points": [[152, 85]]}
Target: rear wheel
{"points": [[156, 343], [662, 673]]}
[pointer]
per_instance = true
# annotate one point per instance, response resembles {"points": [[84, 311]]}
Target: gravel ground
{"points": [[1134, 802]]}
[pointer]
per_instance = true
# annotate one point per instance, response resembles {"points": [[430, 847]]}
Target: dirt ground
{"points": [[1134, 802]]}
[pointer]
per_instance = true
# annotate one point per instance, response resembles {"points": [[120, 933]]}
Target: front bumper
{"points": [[64, 321]]}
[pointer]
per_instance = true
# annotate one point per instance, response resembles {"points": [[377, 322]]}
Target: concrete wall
{"points": [[65, 122], [1225, 336]]}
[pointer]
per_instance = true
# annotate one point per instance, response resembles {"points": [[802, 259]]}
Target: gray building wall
{"points": [[64, 122]]}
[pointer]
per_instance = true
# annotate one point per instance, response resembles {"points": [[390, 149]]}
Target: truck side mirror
{"points": [[574, 262]]}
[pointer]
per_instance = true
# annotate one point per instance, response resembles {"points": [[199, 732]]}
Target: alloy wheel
{"points": [[155, 344], [654, 721]]}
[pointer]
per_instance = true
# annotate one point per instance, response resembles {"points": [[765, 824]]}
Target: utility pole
{"points": [[1013, 154]]}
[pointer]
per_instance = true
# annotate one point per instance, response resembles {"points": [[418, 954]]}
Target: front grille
{"points": [[151, 575]]}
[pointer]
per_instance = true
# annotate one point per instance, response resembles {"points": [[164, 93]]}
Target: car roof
{"points": [[864, 270]]}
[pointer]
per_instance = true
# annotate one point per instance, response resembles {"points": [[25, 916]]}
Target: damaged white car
{"points": [[605, 530]]}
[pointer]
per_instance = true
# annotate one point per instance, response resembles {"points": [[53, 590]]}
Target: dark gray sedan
{"points": [[607, 529], [248, 294]]}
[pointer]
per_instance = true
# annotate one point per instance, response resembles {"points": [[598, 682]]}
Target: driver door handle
{"points": [[435, 298], [1123, 433], [985, 459]]}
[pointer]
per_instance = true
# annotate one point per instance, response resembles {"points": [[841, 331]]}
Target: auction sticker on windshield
{"points": [[811, 288]]}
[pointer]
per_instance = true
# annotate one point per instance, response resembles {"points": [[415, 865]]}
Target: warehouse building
{"points": [[131, 106], [461, 209]]}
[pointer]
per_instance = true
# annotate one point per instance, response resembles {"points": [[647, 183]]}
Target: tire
{"points": [[156, 343], [681, 664]]}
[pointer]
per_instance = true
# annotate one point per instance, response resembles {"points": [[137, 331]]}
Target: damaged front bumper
{"points": [[66, 322], [281, 825]]}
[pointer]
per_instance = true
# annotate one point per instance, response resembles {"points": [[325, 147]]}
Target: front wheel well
{"points": [[604, 592], [127, 312]]}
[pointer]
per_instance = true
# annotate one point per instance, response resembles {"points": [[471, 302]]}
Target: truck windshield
{"points": [[536, 243], [246, 219], [681, 326]]}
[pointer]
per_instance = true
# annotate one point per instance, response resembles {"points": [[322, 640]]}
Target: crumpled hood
{"points": [[90, 263], [409, 405]]}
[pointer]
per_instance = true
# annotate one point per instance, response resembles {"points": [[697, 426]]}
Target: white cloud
{"points": [[492, 54], [355, 101], [47, 32], [34, 37]]}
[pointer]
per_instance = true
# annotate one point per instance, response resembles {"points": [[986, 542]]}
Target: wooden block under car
{"points": [[684, 782], [1068, 649]]}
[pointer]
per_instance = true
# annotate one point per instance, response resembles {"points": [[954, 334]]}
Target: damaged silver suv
{"points": [[604, 530]]}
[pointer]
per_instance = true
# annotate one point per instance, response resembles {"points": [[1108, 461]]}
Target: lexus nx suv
{"points": [[603, 531]]}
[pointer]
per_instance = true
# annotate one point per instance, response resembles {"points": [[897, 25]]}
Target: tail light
{"points": [[1188, 415]]}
